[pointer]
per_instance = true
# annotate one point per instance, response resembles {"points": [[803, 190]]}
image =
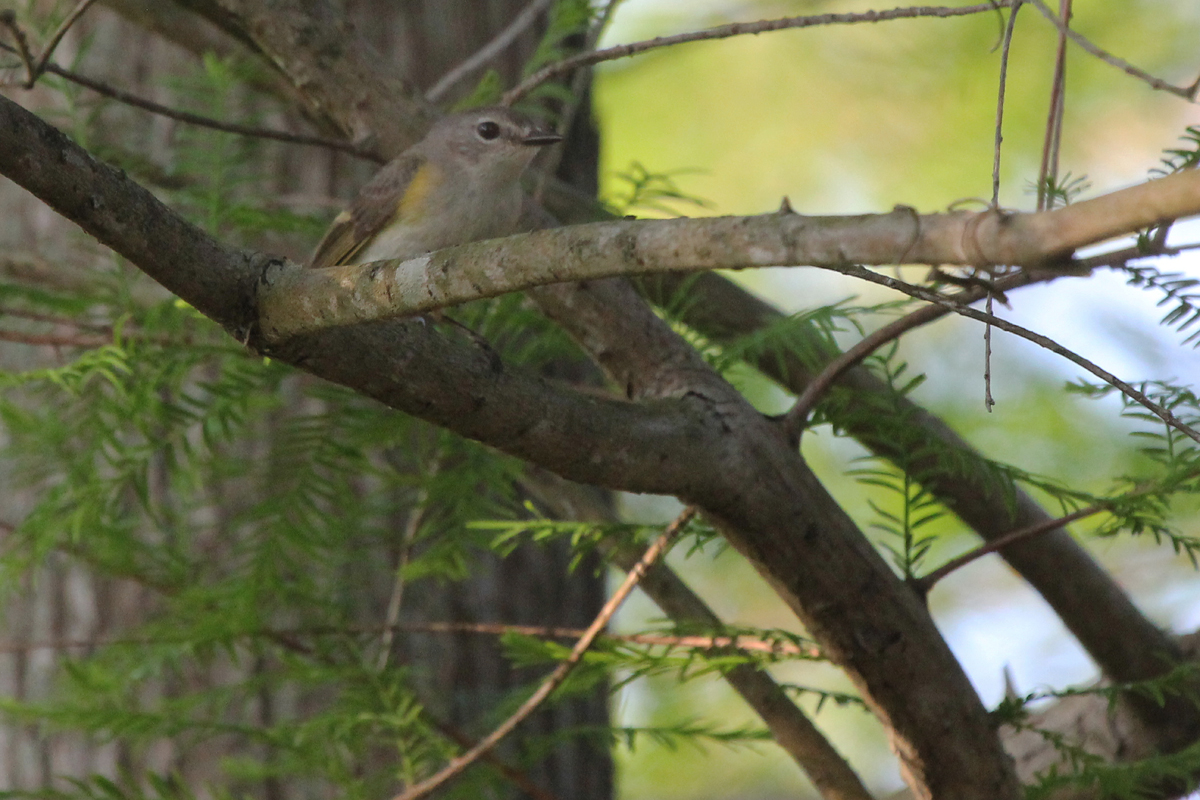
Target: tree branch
{"points": [[1186, 92], [929, 580], [489, 51], [195, 119], [797, 415], [337, 73], [736, 643], [767, 498], [407, 366], [299, 301], [738, 29], [57, 37]]}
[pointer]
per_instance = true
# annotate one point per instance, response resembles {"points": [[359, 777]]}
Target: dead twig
{"points": [[8, 18], [57, 37], [52, 340], [1048, 170], [555, 679], [738, 29], [927, 582], [120, 95], [1186, 92], [493, 48], [797, 415], [696, 641], [953, 304], [35, 66], [412, 525], [1008, 36]]}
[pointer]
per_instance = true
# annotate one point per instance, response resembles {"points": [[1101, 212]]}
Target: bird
{"points": [[459, 184]]}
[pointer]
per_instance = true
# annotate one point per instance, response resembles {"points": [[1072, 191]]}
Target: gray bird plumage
{"points": [[459, 184]]}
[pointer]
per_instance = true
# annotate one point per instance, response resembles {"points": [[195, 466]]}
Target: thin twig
{"points": [[555, 679], [748, 644], [54, 319], [412, 525], [737, 29], [515, 776], [797, 416], [603, 22], [579, 83], [1008, 37], [489, 51], [1188, 92], [195, 119], [926, 582], [1060, 83], [1120, 258], [988, 400], [8, 18], [52, 340], [51, 45], [1052, 143], [921, 293]]}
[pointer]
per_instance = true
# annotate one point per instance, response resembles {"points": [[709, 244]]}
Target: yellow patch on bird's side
{"points": [[424, 180]]}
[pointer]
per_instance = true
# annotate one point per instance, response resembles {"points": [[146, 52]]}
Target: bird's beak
{"points": [[539, 137]]}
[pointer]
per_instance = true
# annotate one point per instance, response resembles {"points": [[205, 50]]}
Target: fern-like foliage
{"points": [[907, 524], [1145, 501], [655, 191], [1185, 156], [1060, 190], [1179, 296]]}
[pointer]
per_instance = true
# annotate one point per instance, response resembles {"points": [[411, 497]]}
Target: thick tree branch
{"points": [[297, 301], [408, 366], [217, 279]]}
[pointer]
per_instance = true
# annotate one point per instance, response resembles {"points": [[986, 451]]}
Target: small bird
{"points": [[459, 184]]}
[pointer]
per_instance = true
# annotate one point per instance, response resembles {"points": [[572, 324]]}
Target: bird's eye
{"points": [[488, 130]]}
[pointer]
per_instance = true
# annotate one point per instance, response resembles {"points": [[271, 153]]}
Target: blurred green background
{"points": [[855, 119]]}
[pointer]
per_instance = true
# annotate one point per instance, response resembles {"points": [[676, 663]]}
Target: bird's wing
{"points": [[376, 205]]}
